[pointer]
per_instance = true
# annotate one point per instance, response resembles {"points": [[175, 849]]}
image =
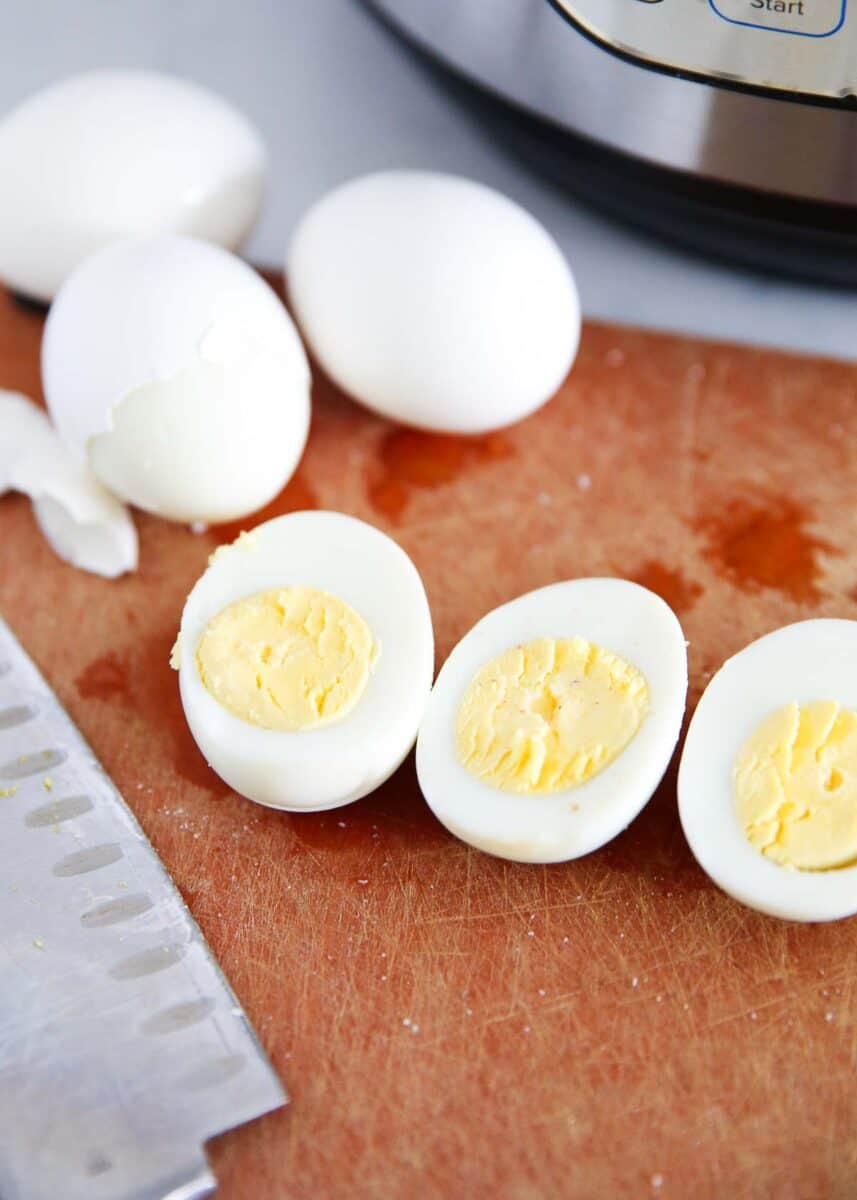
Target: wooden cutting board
{"points": [[450, 1025]]}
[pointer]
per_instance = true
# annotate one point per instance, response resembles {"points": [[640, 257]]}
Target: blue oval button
{"points": [[803, 18]]}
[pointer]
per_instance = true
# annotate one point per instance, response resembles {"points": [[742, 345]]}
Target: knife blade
{"points": [[123, 1049]]}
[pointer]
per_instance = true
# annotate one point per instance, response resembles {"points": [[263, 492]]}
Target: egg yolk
{"points": [[288, 659], [549, 715], [795, 786]]}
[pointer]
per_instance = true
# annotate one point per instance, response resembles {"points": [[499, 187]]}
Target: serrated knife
{"points": [[123, 1049]]}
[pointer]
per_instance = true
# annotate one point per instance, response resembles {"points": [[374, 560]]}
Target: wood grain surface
{"points": [[450, 1025]]}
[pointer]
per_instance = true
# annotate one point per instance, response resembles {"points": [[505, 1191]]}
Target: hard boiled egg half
{"points": [[554, 719], [768, 780], [305, 660]]}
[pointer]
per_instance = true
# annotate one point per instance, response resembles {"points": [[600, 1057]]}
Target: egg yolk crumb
{"points": [[795, 784], [549, 715], [288, 659]]}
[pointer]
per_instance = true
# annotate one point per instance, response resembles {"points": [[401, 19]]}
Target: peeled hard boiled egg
{"points": [[177, 372], [114, 154], [767, 786], [305, 660], [434, 300], [554, 719]]}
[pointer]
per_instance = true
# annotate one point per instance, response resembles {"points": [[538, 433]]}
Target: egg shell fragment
{"points": [[115, 154], [335, 764], [81, 521], [177, 371], [620, 616], [804, 662], [434, 300]]}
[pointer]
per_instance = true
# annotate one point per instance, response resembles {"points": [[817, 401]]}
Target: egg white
{"points": [[805, 662], [620, 616], [338, 763]]}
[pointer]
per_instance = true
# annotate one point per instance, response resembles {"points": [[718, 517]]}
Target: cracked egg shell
{"points": [[82, 522]]}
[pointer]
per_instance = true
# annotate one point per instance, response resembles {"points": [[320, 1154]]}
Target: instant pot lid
{"points": [[767, 181]]}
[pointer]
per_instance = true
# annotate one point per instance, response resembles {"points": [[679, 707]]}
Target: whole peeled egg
{"points": [[177, 371], [434, 300], [305, 660], [113, 154]]}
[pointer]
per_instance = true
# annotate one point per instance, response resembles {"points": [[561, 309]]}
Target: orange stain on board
{"points": [[410, 459], [148, 684], [274, 280], [763, 543], [296, 496], [679, 593], [105, 678], [21, 323]]}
